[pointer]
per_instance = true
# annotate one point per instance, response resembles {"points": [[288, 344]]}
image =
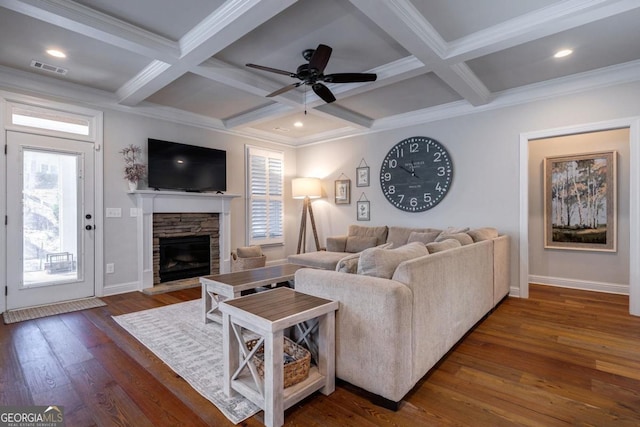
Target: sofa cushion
{"points": [[443, 245], [321, 259], [249, 251], [485, 233], [348, 264], [380, 262], [463, 238], [379, 232], [360, 243], [426, 237]]}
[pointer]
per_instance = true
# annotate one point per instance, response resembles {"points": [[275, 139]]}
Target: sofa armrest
{"points": [[501, 285], [373, 328], [337, 243]]}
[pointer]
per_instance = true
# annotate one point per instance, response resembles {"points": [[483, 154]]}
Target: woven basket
{"points": [[297, 361]]}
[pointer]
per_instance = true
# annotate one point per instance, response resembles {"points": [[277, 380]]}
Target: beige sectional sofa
{"points": [[390, 331]]}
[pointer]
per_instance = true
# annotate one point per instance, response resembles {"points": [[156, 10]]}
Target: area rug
{"points": [[13, 316], [192, 349]]}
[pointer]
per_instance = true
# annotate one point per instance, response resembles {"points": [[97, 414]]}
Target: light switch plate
{"points": [[133, 211], [114, 212]]}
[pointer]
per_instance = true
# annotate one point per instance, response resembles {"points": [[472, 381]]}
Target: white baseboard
{"points": [[120, 288], [611, 288]]}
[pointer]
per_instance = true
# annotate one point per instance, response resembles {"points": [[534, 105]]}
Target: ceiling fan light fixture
{"points": [[298, 124], [563, 53]]}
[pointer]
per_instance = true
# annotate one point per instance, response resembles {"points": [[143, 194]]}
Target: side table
{"points": [[269, 314]]}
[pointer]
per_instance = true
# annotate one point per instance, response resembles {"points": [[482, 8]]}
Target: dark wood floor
{"points": [[562, 357]]}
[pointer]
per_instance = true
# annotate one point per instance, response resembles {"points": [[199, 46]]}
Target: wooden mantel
{"points": [[151, 201]]}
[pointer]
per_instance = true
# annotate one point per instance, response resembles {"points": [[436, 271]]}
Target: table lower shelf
{"points": [[245, 385]]}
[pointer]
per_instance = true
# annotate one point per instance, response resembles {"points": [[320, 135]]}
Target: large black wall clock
{"points": [[416, 174]]}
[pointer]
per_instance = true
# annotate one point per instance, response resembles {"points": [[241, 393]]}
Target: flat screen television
{"points": [[174, 166]]}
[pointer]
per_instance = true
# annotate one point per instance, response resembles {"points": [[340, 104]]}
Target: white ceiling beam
{"points": [[96, 25], [227, 24], [334, 111], [259, 115], [535, 25], [402, 21]]}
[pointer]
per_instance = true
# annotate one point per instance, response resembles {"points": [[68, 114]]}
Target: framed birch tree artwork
{"points": [[580, 202]]}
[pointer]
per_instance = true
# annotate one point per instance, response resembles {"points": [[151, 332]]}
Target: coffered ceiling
{"points": [[185, 61]]}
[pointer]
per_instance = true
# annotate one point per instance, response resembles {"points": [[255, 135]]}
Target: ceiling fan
{"points": [[311, 74]]}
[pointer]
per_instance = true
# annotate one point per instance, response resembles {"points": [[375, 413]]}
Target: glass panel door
{"points": [[50, 239]]}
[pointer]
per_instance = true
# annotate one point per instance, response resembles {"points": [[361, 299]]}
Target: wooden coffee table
{"points": [[269, 314], [219, 287]]}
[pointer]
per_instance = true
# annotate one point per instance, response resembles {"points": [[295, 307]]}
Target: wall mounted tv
{"points": [[174, 166]]}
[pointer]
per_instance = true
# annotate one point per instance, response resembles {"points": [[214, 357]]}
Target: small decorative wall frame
{"points": [[580, 202], [343, 191], [362, 174], [363, 209]]}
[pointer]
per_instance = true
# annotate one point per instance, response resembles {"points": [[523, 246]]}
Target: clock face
{"points": [[416, 174]]}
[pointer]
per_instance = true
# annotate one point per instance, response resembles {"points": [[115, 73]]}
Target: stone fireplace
{"points": [[195, 212], [185, 245]]}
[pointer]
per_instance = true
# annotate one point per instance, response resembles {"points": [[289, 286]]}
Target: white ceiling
{"points": [[185, 61]]}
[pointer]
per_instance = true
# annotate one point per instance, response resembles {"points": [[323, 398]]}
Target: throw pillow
{"points": [[348, 264], [249, 251], [455, 230], [443, 245], [336, 244], [485, 233], [463, 238], [427, 237], [378, 262], [360, 243]]}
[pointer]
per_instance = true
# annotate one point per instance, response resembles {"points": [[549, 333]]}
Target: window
{"points": [[265, 196]]}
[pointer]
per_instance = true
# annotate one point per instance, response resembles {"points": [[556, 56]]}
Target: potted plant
{"points": [[133, 170]]}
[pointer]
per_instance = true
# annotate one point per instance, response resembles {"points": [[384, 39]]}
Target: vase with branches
{"points": [[134, 171]]}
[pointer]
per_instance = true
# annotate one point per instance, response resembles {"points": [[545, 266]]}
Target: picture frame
{"points": [[342, 191], [362, 176], [580, 206], [363, 210]]}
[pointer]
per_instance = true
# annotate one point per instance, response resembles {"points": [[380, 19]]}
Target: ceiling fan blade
{"points": [[284, 89], [271, 70], [350, 78], [320, 57], [323, 92]]}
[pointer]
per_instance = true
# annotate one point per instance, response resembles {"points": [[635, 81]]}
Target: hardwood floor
{"points": [[561, 357]]}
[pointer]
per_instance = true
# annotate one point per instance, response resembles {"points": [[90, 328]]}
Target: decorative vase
{"points": [[133, 185]]}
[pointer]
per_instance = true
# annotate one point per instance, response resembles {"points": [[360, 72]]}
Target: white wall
{"points": [[120, 130], [485, 151]]}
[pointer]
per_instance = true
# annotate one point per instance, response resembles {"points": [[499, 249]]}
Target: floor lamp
{"points": [[307, 189]]}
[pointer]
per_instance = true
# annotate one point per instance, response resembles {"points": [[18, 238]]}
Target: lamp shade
{"points": [[306, 187]]}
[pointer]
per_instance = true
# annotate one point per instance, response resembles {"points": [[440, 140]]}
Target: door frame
{"points": [[633, 123], [95, 136]]}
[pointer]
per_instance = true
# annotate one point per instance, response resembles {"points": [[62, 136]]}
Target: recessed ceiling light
{"points": [[56, 53], [298, 124], [562, 53]]}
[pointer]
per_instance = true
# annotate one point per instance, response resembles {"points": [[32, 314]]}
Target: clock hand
{"points": [[405, 169]]}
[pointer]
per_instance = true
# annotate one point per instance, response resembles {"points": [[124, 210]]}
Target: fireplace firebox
{"points": [[184, 257]]}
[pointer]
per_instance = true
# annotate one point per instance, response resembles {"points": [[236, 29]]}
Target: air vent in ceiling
{"points": [[48, 67]]}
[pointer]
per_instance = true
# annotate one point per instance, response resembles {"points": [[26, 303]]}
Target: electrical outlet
{"points": [[133, 211], [110, 268], [114, 212]]}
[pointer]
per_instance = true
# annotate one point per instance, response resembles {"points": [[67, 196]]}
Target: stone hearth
{"points": [[182, 225]]}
